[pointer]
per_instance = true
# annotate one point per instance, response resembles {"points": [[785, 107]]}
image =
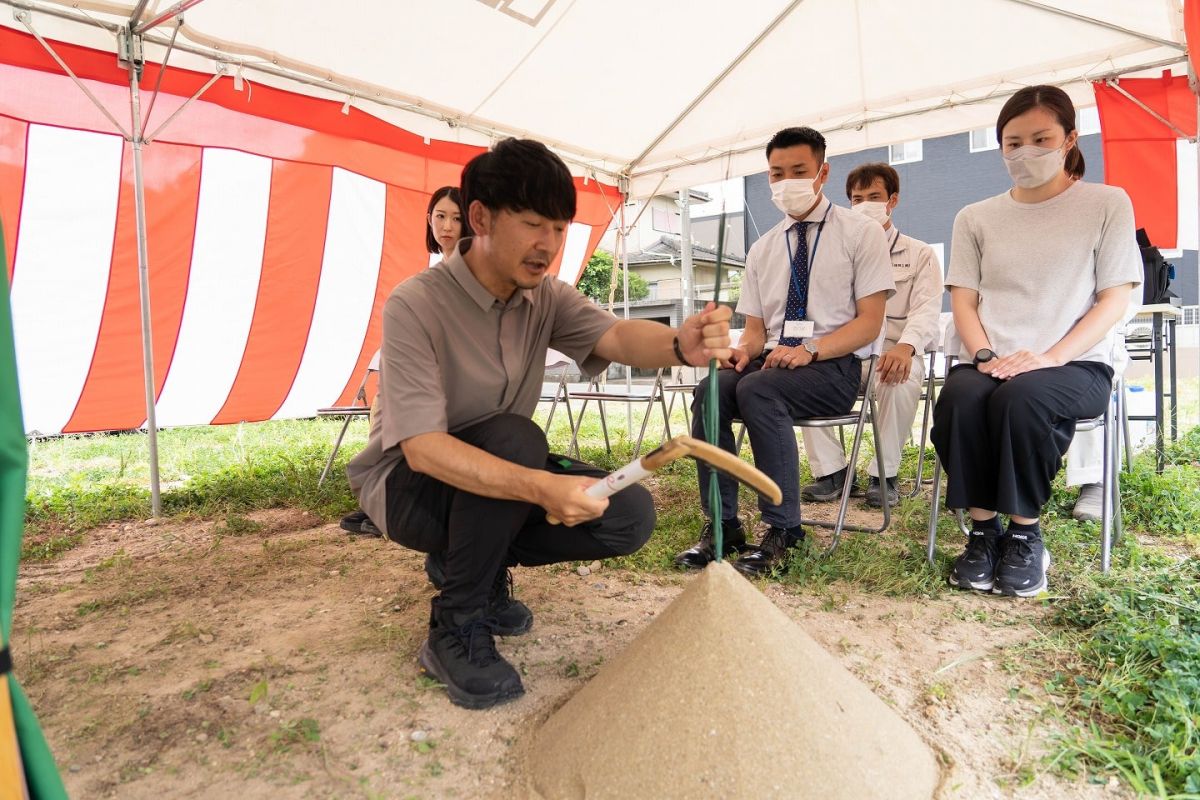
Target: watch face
{"points": [[983, 356]]}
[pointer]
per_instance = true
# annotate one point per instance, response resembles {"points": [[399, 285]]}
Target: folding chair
{"points": [[560, 394], [929, 396], [361, 409], [1110, 506], [866, 412], [677, 388], [602, 395], [858, 418], [1111, 523]]}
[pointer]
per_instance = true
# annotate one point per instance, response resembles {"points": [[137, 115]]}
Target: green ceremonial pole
{"points": [[711, 409], [41, 773]]}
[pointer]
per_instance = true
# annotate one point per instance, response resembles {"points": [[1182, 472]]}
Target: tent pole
{"points": [[687, 273], [625, 288], [139, 203], [172, 12]]}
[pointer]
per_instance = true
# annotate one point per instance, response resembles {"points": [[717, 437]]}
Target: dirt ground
{"points": [[277, 660]]}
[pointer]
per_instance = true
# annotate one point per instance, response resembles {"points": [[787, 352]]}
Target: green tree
{"points": [[598, 273]]}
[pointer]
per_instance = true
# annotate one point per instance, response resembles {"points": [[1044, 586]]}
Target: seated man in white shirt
{"points": [[813, 295], [911, 326]]}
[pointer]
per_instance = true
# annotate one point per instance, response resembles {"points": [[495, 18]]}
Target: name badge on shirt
{"points": [[798, 329]]}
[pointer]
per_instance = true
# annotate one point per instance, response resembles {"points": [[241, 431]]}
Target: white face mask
{"points": [[874, 209], [1031, 166], [793, 195]]}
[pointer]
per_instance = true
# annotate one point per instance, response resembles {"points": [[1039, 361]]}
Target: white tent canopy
{"points": [[669, 93]]}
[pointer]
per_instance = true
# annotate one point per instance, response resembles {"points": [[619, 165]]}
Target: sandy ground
{"points": [[186, 660]]}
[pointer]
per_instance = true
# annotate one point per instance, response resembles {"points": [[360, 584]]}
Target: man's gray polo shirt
{"points": [[453, 356]]}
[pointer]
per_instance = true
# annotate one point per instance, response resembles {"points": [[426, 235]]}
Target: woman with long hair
{"points": [[445, 224], [1039, 277]]}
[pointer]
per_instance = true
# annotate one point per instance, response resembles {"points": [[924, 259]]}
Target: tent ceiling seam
{"points": [[1062, 12], [520, 63], [742, 56]]}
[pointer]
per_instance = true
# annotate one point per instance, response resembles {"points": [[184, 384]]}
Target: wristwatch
{"points": [[983, 356], [811, 347]]}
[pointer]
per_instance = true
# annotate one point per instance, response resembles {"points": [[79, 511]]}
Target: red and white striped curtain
{"points": [[277, 226]]}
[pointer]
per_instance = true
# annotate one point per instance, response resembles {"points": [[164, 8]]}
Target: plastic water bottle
{"points": [[1139, 401]]}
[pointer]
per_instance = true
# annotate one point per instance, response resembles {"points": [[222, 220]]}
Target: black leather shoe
{"points": [[699, 556], [769, 554], [875, 493], [461, 653], [826, 488]]}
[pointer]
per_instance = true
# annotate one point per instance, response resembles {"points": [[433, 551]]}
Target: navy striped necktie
{"points": [[797, 298]]}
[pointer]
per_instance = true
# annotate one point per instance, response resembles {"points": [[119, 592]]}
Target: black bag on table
{"points": [[1157, 272]]}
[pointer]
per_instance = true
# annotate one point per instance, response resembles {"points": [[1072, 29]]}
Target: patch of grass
{"points": [[37, 546], [294, 732], [1135, 683], [235, 525]]}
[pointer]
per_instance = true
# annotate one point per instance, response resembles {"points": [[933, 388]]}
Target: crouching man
{"points": [[454, 466]]}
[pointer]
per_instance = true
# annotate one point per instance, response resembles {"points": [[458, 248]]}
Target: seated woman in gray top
{"points": [[1039, 277], [445, 223]]}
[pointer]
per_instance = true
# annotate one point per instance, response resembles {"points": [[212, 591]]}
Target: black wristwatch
{"points": [[983, 356]]}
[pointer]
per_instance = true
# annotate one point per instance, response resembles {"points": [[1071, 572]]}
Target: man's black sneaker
{"points": [[360, 524], [698, 556], [826, 488], [512, 616], [769, 553], [461, 653], [976, 567], [875, 493], [1022, 568]]}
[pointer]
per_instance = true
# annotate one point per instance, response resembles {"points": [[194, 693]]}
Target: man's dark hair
{"points": [[520, 175], [864, 175], [790, 137], [432, 244]]}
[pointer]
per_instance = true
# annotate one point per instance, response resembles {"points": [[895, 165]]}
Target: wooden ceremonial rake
{"points": [[675, 449]]}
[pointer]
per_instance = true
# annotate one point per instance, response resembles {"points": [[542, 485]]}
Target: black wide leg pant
{"points": [[480, 535], [1002, 442]]}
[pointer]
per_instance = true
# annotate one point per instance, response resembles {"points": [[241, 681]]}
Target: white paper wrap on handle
{"points": [[614, 482]]}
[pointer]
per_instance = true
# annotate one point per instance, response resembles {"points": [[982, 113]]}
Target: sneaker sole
{"points": [[978, 586], [475, 702], [516, 631], [1033, 591], [821, 498]]}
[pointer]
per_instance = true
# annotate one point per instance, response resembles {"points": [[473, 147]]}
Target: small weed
{"points": [[258, 692], [200, 688], [236, 524], [301, 731], [425, 683]]}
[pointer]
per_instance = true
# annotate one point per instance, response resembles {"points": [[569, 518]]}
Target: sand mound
{"points": [[724, 696]]}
